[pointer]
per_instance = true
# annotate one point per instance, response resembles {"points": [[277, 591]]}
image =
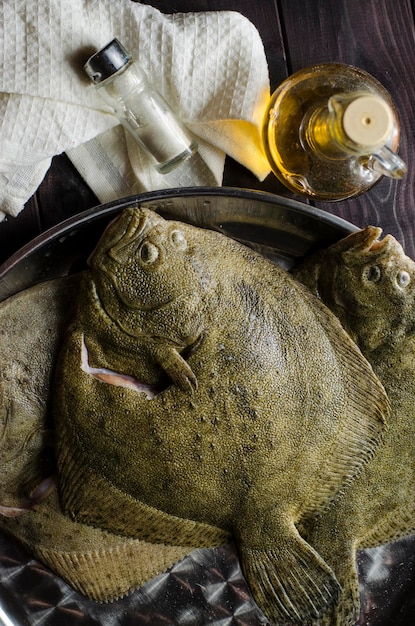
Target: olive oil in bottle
{"points": [[331, 132]]}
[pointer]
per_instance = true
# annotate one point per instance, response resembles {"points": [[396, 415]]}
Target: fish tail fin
{"points": [[347, 611], [334, 535], [289, 582]]}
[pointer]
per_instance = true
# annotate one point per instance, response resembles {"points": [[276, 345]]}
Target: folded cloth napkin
{"points": [[210, 67]]}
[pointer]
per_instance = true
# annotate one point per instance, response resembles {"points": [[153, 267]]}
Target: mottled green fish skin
{"points": [[370, 285], [99, 564], [264, 409], [30, 324]]}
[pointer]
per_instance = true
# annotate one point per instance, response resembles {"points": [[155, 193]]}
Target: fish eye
{"points": [[403, 279], [148, 253], [372, 273], [178, 239]]}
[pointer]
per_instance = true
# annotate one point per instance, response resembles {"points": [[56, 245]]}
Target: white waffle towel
{"points": [[210, 67]]}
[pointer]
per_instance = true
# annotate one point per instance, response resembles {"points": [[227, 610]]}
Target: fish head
{"points": [[144, 262], [369, 283]]}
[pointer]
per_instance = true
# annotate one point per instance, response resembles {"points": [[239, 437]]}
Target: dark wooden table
{"points": [[375, 35]]}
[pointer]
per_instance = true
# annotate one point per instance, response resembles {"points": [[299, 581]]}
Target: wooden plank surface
{"points": [[376, 35]]}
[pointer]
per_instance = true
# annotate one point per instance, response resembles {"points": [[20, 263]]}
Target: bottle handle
{"points": [[386, 162]]}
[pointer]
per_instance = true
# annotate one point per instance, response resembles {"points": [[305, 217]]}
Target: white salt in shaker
{"points": [[139, 107]]}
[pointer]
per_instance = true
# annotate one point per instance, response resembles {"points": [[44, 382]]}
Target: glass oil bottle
{"points": [[331, 131]]}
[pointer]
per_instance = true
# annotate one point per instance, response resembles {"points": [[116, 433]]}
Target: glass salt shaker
{"points": [[140, 108]]}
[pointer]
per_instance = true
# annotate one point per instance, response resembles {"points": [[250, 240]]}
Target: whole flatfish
{"points": [[370, 284], [201, 390]]}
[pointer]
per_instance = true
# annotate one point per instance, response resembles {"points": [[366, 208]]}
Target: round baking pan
{"points": [[207, 587]]}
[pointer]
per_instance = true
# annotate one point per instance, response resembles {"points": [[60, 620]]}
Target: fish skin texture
{"points": [[370, 285], [267, 409], [31, 324], [99, 564]]}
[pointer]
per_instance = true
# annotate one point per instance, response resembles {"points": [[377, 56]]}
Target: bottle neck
{"points": [[354, 127], [347, 125]]}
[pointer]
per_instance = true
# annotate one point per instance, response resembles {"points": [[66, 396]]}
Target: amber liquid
{"points": [[327, 174]]}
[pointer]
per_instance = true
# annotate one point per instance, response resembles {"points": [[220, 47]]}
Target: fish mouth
{"points": [[368, 241], [139, 223], [381, 245], [134, 222], [386, 246]]}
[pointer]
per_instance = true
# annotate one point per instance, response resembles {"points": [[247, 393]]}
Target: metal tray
{"points": [[207, 587], [280, 228]]}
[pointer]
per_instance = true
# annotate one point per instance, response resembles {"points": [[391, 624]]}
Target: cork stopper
{"points": [[368, 121]]}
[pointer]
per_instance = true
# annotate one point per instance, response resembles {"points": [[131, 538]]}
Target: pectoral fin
{"points": [[176, 368]]}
